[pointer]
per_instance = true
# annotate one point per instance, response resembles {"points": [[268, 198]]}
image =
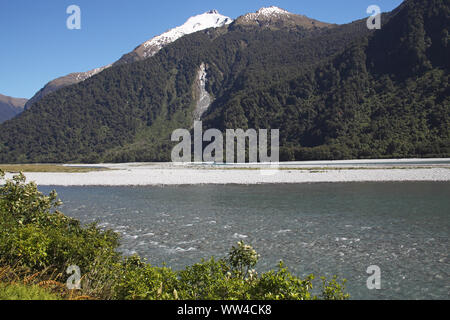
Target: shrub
{"points": [[35, 234], [138, 280]]}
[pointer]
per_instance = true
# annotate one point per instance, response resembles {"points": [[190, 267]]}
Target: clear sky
{"points": [[36, 46]]}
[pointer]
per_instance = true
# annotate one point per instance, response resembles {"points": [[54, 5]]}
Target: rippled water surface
{"points": [[325, 229]]}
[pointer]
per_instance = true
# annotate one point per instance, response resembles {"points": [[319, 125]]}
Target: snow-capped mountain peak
{"points": [[276, 17], [271, 11], [267, 13], [210, 19]]}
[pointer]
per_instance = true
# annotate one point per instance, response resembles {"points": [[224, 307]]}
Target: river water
{"points": [[324, 228]]}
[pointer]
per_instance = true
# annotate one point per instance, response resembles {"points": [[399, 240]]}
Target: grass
{"points": [[25, 292], [20, 283], [15, 168]]}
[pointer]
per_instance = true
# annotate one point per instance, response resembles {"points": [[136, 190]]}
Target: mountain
{"points": [[334, 91], [274, 17], [210, 19], [10, 107], [62, 82]]}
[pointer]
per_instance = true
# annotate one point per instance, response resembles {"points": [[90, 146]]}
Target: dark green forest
{"points": [[336, 92]]}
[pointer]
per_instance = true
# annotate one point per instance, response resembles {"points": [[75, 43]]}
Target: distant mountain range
{"points": [[210, 19], [10, 107], [334, 91]]}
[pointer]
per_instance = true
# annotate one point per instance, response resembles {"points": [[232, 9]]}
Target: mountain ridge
{"points": [[266, 16], [210, 19], [10, 107]]}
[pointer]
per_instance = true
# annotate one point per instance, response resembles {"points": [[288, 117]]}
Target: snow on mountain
{"points": [[81, 76], [268, 12], [210, 19], [272, 10], [277, 17]]}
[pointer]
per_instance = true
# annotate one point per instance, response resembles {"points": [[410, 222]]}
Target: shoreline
{"points": [[170, 175]]}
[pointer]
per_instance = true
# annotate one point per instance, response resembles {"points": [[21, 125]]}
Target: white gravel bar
{"points": [[147, 174]]}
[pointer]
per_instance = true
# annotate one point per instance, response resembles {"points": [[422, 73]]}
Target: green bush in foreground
{"points": [[36, 237]]}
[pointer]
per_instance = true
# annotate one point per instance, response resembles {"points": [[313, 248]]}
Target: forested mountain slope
{"points": [[333, 91]]}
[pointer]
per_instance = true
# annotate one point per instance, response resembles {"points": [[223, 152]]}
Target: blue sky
{"points": [[37, 47]]}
